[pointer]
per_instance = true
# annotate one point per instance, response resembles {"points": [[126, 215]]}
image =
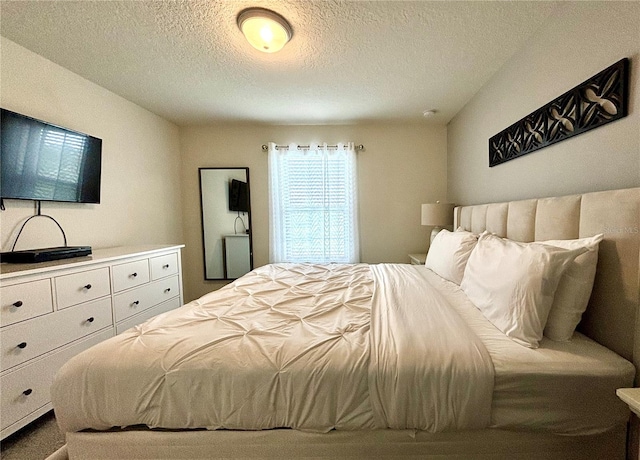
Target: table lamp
{"points": [[437, 215]]}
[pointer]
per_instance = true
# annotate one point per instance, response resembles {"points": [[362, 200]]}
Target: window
{"points": [[313, 209]]}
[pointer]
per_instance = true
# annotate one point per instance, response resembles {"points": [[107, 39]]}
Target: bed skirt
{"points": [[381, 444]]}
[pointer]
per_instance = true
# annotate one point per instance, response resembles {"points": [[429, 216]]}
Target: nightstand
{"points": [[417, 259], [631, 396]]}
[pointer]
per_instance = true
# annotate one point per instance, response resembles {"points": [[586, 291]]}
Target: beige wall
{"points": [[140, 160], [581, 40], [402, 167], [147, 160]]}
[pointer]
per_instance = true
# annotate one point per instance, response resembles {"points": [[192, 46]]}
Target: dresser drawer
{"points": [[137, 300], [145, 315], [82, 287], [32, 338], [25, 300], [162, 266], [130, 274], [27, 389]]}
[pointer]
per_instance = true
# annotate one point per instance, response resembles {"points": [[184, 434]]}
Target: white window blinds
{"points": [[313, 204]]}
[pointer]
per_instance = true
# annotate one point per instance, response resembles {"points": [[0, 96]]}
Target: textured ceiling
{"points": [[348, 61]]}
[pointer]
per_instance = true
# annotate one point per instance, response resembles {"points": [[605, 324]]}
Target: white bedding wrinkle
{"points": [[428, 369], [287, 345], [284, 346]]}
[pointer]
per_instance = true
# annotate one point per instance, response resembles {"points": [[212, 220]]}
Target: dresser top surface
{"points": [[8, 270]]}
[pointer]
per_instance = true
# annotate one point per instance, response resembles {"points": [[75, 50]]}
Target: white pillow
{"points": [[513, 284], [574, 290], [449, 252]]}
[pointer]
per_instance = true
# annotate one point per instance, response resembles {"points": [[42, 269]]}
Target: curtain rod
{"points": [[265, 147]]}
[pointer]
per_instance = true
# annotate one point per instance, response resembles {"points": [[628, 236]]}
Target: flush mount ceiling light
{"points": [[264, 29]]}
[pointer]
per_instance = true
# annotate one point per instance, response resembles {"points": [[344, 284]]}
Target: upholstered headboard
{"points": [[612, 317]]}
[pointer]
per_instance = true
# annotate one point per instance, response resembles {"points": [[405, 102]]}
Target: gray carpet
{"points": [[36, 441]]}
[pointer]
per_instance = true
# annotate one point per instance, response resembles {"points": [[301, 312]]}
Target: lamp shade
{"points": [[437, 214]]}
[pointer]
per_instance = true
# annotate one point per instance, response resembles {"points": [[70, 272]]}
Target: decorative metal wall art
{"points": [[597, 101]]}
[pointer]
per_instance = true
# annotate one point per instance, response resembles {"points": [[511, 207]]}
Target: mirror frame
{"points": [[202, 220]]}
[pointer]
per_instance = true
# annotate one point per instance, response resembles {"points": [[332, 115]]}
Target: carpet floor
{"points": [[35, 441]]}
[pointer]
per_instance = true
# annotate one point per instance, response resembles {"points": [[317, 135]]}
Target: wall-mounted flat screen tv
{"points": [[238, 196], [44, 162]]}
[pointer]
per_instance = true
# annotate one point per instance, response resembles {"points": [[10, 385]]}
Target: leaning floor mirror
{"points": [[226, 222]]}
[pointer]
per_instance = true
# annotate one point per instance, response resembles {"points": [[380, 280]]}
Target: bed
{"points": [[386, 360]]}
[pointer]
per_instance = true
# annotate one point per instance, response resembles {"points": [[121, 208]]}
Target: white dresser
{"points": [[52, 311]]}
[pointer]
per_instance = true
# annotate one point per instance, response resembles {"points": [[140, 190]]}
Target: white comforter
{"points": [[428, 369], [309, 347]]}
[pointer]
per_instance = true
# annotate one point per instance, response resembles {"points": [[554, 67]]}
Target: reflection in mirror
{"points": [[226, 222]]}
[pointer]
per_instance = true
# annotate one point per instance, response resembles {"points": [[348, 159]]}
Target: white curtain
{"points": [[313, 204]]}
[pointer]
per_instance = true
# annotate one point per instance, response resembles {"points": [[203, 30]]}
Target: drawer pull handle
{"points": [[165, 266], [134, 274], [22, 345], [90, 320], [27, 392], [87, 287], [137, 302], [167, 290], [18, 304]]}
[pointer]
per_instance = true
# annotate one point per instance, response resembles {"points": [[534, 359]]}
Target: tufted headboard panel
{"points": [[612, 317]]}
